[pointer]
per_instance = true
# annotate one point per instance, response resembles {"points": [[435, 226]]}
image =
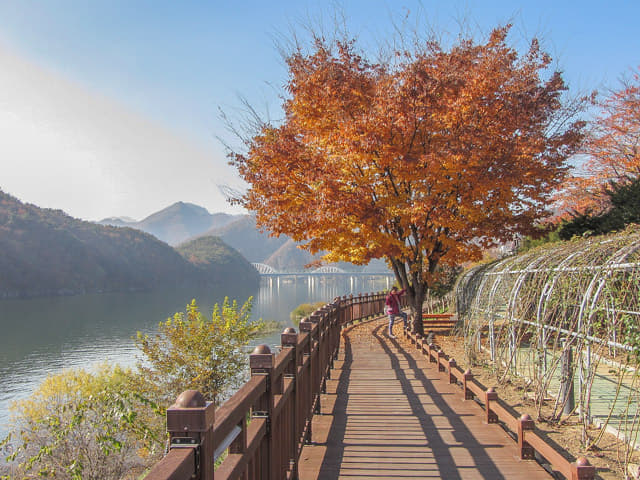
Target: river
{"points": [[44, 336]]}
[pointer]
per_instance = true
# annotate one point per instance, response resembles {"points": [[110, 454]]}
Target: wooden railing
{"points": [[260, 431], [439, 322], [529, 440]]}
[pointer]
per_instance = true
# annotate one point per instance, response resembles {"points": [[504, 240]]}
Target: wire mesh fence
{"points": [[565, 317]]}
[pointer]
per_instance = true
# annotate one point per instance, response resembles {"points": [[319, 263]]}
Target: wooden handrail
{"points": [[268, 420], [529, 440], [233, 411], [178, 464], [447, 316]]}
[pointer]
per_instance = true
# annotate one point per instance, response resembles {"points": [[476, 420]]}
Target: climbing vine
{"points": [[565, 317]]}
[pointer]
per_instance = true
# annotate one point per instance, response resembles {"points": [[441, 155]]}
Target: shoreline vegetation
{"points": [[303, 310], [110, 423]]}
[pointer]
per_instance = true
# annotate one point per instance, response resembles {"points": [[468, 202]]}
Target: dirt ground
{"points": [[607, 457]]}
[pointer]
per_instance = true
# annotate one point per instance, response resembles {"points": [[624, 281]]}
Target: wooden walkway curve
{"points": [[388, 413]]}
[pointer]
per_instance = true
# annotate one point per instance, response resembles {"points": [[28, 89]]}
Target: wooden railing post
{"points": [[190, 425], [368, 309], [305, 327], [432, 355], [261, 363], [466, 378], [490, 396], [525, 423], [316, 360], [441, 361], [452, 366], [582, 470], [318, 319], [334, 329], [289, 340]]}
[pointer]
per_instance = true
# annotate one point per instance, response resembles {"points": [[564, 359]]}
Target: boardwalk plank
{"points": [[389, 414]]}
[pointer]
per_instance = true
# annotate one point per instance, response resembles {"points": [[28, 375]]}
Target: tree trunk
{"points": [[415, 289], [416, 308]]}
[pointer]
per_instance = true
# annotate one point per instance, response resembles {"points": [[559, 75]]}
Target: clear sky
{"points": [[110, 107]]}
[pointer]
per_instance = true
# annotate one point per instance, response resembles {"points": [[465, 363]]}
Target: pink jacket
{"points": [[392, 302]]}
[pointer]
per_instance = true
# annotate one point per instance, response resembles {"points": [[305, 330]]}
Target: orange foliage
{"points": [[613, 149], [425, 161]]}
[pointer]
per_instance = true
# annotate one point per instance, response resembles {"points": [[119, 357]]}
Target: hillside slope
{"points": [[289, 258], [217, 261], [243, 235], [47, 252]]}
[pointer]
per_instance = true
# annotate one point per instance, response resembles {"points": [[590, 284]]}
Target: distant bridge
{"points": [[327, 270]]}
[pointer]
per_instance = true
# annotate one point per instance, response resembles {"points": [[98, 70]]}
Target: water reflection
{"points": [[46, 335]]}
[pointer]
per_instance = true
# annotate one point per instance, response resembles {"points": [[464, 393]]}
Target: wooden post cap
{"points": [[190, 399], [261, 350], [526, 421], [582, 470], [289, 337], [261, 358], [491, 394]]}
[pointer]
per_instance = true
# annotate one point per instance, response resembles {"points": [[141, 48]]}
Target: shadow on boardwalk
{"points": [[389, 414]]}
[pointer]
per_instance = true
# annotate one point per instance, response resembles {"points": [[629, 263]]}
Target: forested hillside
{"points": [[216, 260], [47, 252]]}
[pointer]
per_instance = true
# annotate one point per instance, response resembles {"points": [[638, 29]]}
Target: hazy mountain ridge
{"points": [[185, 221], [244, 236], [282, 253], [47, 252], [176, 223]]}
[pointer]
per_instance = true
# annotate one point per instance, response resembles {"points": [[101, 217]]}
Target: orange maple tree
{"points": [[425, 159], [612, 148]]}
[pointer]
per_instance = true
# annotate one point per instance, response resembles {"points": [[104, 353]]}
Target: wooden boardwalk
{"points": [[388, 413]]}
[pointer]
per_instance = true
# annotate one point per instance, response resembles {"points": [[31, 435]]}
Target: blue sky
{"points": [[110, 107]]}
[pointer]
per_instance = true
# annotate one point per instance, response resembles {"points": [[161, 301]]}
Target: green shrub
{"points": [[81, 425], [304, 310], [110, 424], [193, 352]]}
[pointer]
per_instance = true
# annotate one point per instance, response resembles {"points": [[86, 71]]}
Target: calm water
{"points": [[46, 335]]}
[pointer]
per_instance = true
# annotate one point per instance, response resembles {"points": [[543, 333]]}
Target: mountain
{"points": [[185, 221], [243, 235], [118, 221], [216, 260], [47, 252], [176, 223], [289, 258], [281, 253]]}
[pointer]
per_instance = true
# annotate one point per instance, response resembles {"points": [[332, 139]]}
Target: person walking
{"points": [[392, 308]]}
